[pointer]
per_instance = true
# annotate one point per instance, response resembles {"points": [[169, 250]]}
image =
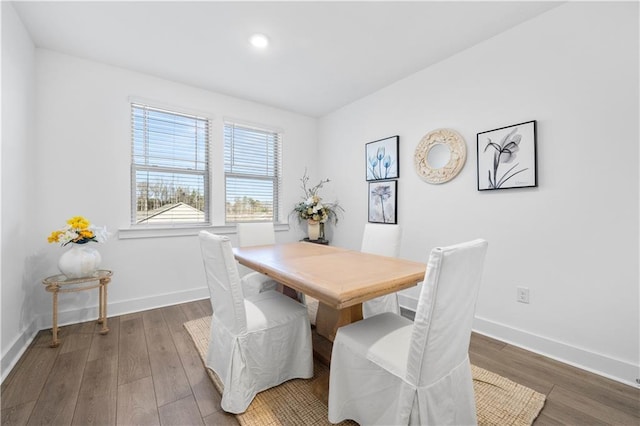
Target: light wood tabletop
{"points": [[339, 278]]}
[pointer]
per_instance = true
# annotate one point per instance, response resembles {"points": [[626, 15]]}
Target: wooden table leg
{"points": [[320, 388], [329, 319], [322, 353], [54, 326]]}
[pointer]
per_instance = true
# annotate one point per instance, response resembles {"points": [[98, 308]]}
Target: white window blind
{"points": [[170, 167], [252, 166]]}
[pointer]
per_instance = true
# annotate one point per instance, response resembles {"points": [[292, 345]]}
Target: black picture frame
{"points": [[507, 157], [383, 201], [382, 159]]}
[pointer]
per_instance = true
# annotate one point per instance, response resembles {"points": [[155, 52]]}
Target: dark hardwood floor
{"points": [[147, 371]]}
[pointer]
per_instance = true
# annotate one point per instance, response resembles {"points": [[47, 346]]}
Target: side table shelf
{"points": [[61, 284]]}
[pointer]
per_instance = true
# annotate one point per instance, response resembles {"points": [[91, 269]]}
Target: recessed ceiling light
{"points": [[259, 40]]}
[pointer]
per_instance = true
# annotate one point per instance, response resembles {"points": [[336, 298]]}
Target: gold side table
{"points": [[61, 284]]}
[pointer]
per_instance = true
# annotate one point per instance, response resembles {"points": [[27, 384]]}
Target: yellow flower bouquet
{"points": [[78, 230]]}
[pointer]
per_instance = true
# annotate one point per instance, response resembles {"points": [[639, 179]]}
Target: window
{"points": [[170, 167], [252, 168]]}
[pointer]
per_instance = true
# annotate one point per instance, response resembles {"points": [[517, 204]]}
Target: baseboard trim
{"points": [[157, 301], [603, 365], [74, 316], [17, 348]]}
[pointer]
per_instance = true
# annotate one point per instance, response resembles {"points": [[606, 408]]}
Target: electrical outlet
{"points": [[523, 295]]}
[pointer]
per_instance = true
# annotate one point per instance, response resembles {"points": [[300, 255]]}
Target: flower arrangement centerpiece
{"points": [[80, 261], [312, 210], [78, 230]]}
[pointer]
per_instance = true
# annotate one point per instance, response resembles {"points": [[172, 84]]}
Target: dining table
{"points": [[339, 278]]}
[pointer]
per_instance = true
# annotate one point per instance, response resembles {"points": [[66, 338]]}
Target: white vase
{"points": [[313, 230], [79, 261]]}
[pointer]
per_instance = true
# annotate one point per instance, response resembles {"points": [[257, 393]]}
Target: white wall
{"points": [[83, 136], [18, 96], [81, 166], [573, 240]]}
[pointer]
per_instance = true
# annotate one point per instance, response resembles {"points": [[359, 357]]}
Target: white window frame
{"points": [[274, 167], [145, 166]]}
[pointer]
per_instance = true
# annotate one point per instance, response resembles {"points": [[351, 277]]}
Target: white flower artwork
{"points": [[383, 197], [507, 157], [382, 159]]}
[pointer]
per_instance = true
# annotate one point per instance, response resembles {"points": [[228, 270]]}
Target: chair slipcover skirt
{"points": [[357, 372], [262, 357]]}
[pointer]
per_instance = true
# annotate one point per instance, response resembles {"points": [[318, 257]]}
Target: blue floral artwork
{"points": [[383, 197], [382, 159], [507, 157]]}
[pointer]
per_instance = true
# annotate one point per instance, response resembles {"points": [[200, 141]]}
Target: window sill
{"points": [[183, 231]]}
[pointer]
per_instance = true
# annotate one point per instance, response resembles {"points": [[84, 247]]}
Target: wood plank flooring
{"points": [[147, 371]]}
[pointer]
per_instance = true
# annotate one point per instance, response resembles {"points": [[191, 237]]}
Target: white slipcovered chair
{"points": [[384, 240], [256, 342], [387, 370], [255, 234]]}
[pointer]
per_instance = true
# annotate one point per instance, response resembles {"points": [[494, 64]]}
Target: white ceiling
{"points": [[322, 56]]}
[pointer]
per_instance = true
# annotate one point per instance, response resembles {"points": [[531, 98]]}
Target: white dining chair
{"points": [[255, 234], [256, 342], [384, 240], [388, 370]]}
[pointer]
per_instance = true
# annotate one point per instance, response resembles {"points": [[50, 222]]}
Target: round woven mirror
{"points": [[440, 155]]}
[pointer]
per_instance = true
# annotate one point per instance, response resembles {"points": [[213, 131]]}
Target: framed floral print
{"points": [[383, 201], [382, 159], [507, 157]]}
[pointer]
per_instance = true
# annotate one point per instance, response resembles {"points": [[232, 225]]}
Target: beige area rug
{"points": [[499, 401]]}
